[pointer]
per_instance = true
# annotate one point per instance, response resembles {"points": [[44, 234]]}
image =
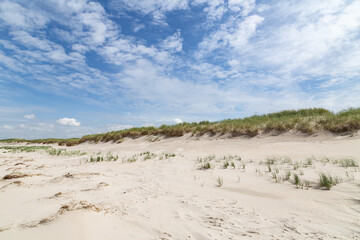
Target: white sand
{"points": [[65, 197]]}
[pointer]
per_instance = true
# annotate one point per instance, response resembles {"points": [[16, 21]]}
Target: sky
{"points": [[75, 67]]}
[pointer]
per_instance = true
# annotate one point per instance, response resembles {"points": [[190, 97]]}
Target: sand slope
{"points": [[161, 196]]}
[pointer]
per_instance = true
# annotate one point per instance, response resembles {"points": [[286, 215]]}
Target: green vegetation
{"points": [[205, 166], [47, 149], [219, 181], [278, 178], [108, 158], [346, 162], [307, 121], [61, 142], [287, 174], [224, 162], [147, 156], [278, 160], [297, 180], [327, 181]]}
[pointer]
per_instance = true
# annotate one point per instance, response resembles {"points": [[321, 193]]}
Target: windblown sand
{"points": [[157, 195]]}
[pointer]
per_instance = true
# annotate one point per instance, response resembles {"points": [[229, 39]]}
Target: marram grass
{"points": [[308, 121]]}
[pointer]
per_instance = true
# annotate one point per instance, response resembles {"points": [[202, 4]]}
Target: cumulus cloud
{"points": [[177, 120], [68, 122], [30, 116]]}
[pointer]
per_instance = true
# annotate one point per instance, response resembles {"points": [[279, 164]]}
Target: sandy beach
{"points": [[265, 187]]}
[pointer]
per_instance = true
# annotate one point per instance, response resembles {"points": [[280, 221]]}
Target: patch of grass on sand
{"points": [[328, 181], [220, 182], [47, 149]]}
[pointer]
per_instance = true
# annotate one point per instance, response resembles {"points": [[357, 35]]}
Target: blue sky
{"points": [[75, 67]]}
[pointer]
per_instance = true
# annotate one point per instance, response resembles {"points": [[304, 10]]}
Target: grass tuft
{"points": [[205, 166], [328, 181], [219, 181], [347, 162], [297, 180]]}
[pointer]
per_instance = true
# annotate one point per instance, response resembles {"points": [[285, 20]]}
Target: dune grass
{"points": [[61, 142], [328, 181], [308, 121], [43, 149]]}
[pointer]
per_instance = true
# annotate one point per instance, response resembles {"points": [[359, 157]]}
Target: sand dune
{"points": [[141, 189]]}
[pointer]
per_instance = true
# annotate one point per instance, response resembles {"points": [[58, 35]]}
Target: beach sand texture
{"points": [[265, 187]]}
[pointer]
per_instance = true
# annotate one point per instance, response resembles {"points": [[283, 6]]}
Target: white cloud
{"points": [[8, 45], [68, 122], [8, 127], [15, 15], [231, 35], [177, 120], [138, 27], [244, 31], [290, 42], [27, 40], [243, 6], [157, 9], [30, 116], [317, 34], [22, 125], [11, 63], [172, 43], [151, 6], [100, 26], [80, 48], [214, 9], [117, 127]]}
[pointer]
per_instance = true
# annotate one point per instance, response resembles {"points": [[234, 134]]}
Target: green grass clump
{"points": [[327, 181], [297, 180], [271, 161], [205, 166], [287, 174]]}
